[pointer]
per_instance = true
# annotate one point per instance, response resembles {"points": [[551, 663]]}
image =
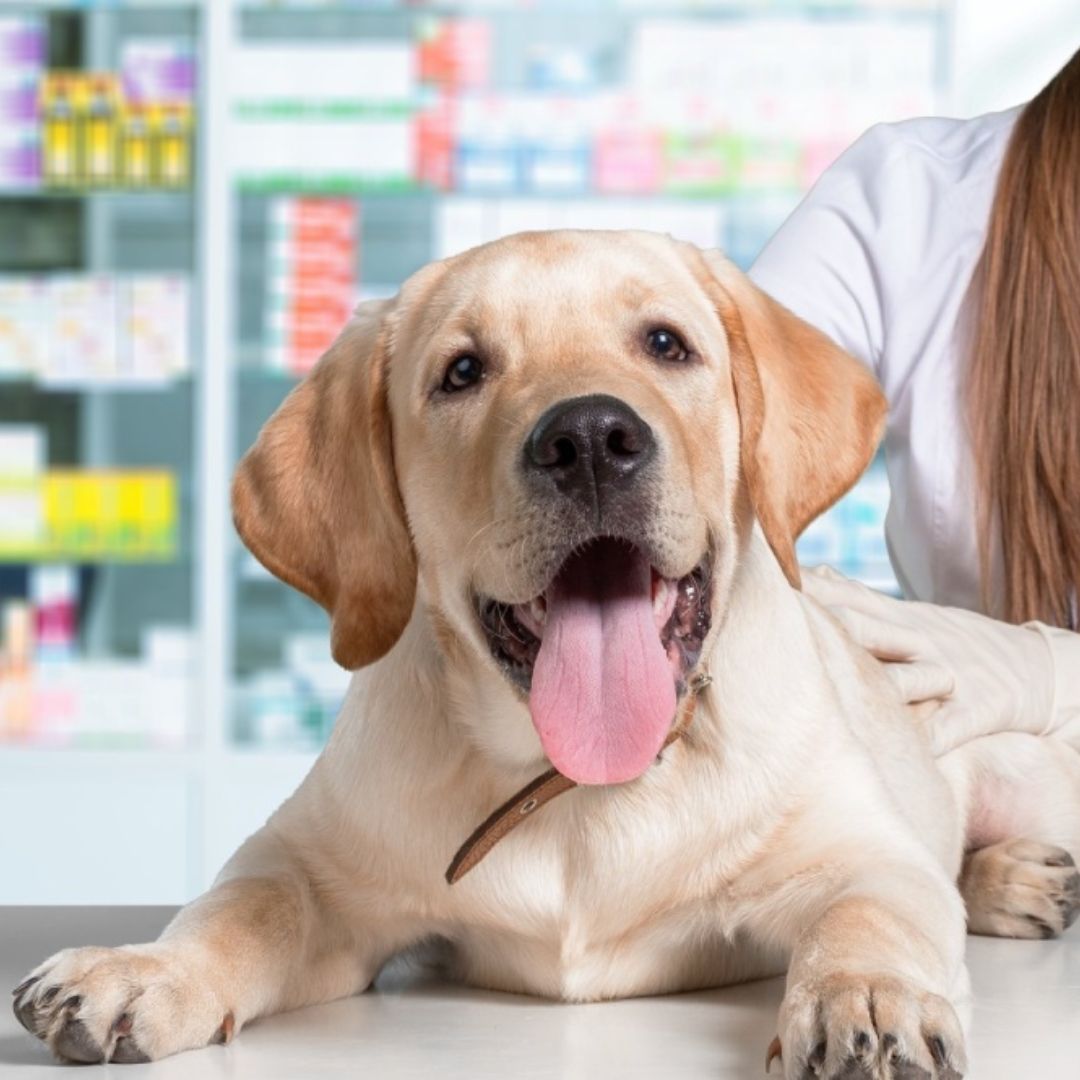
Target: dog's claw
{"points": [[128, 1052], [25, 985], [774, 1052], [225, 1032]]}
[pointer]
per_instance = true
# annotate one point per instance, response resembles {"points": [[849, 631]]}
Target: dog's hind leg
{"points": [[1020, 796]]}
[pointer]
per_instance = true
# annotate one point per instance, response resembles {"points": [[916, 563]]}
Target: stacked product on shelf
{"points": [[22, 65], [850, 538], [51, 696], [89, 654], [96, 135], [311, 278], [87, 330], [426, 113], [131, 128], [327, 117], [454, 54], [68, 513], [293, 706], [51, 519]]}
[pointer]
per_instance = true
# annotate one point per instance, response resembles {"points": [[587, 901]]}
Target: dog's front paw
{"points": [[866, 1027], [135, 1003]]}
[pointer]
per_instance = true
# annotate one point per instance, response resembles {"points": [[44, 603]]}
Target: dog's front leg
{"points": [[875, 965], [261, 940]]}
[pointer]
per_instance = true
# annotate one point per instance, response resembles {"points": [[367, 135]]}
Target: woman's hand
{"points": [[986, 675]]}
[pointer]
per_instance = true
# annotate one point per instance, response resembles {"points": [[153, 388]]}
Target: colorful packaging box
{"points": [[454, 53], [556, 152], [629, 157], [23, 457], [54, 597], [61, 109], [76, 330], [435, 133], [487, 155], [23, 44], [157, 329], [25, 326], [121, 515], [701, 155], [311, 280], [85, 330], [158, 71], [94, 136]]}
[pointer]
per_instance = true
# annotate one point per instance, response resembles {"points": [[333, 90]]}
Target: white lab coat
{"points": [[880, 256]]}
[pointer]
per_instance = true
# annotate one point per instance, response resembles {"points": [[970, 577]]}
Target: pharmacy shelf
{"points": [[636, 8], [109, 795], [406, 193], [102, 389], [248, 762], [147, 195], [25, 760], [86, 7]]}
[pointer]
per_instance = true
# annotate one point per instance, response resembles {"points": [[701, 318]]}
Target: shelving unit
{"points": [[247, 667]]}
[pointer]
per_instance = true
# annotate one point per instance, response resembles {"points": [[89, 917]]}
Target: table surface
{"points": [[1024, 1023]]}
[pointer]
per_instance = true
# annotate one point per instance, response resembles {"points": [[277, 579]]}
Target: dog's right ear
{"points": [[316, 498]]}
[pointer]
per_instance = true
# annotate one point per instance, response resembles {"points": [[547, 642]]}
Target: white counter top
{"points": [[1025, 1024]]}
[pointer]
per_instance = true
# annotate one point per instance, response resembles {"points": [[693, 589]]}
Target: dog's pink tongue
{"points": [[603, 693]]}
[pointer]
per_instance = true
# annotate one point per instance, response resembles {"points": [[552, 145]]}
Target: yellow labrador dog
{"points": [[543, 493]]}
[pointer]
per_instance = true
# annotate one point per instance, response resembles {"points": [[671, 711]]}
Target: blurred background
{"points": [[192, 197]]}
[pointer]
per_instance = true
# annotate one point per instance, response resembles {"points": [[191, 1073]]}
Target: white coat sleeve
{"points": [[835, 260]]}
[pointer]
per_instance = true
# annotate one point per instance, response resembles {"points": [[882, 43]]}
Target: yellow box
{"points": [[59, 104]]}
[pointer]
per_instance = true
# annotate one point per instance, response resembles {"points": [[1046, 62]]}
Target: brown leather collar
{"points": [[542, 790]]}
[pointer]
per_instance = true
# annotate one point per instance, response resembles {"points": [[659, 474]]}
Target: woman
{"points": [[946, 255]]}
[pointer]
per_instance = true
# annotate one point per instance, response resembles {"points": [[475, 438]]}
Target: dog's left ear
{"points": [[316, 498], [811, 415]]}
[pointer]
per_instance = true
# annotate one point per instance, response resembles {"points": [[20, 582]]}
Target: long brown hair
{"points": [[1024, 396]]}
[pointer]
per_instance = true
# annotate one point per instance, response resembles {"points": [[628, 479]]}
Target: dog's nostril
{"points": [[621, 443], [566, 453]]}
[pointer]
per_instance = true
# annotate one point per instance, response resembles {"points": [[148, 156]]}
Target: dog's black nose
{"points": [[585, 445]]}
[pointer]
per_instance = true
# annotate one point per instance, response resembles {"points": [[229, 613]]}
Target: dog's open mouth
{"points": [[603, 653]]}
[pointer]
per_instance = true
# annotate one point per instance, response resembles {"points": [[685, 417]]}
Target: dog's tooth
{"points": [[660, 594]]}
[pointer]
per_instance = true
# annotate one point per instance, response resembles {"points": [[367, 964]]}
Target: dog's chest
{"points": [[620, 908]]}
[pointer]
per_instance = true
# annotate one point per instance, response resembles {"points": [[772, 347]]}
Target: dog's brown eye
{"points": [[462, 373], [665, 344]]}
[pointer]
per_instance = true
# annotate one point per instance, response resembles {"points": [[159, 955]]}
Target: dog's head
{"points": [[566, 437]]}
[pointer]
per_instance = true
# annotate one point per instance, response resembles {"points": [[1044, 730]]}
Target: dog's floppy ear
{"points": [[811, 415], [316, 498]]}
